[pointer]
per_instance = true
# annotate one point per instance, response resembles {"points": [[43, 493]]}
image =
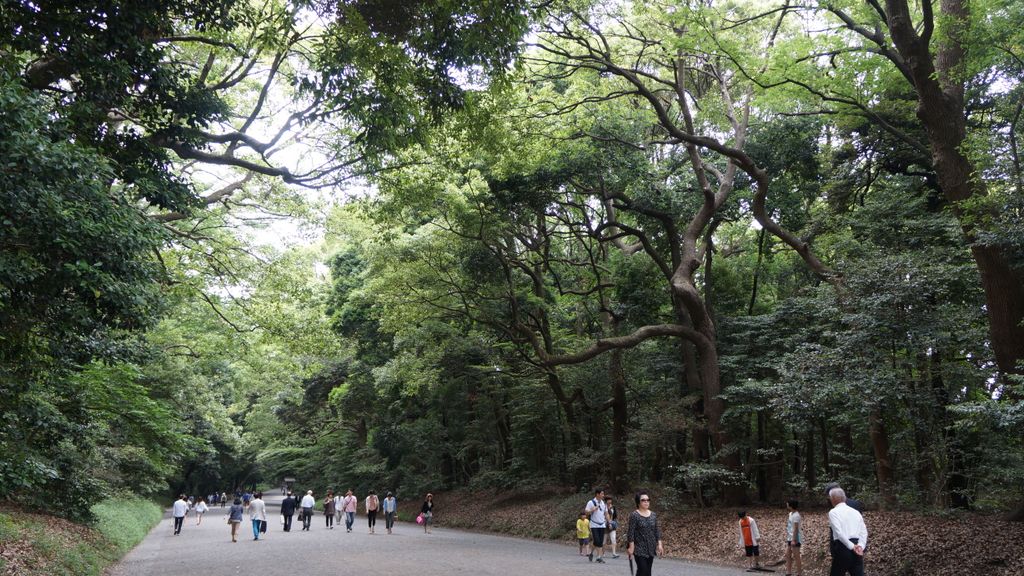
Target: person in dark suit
{"points": [[288, 506]]}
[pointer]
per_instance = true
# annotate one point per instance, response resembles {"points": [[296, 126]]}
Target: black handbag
{"points": [[263, 526]]}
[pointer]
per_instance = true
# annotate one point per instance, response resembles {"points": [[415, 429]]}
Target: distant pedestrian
{"points": [[288, 506], [597, 511], [258, 515], [849, 536], [339, 508], [372, 504], [794, 538], [643, 536], [749, 538], [201, 508], [583, 532], [223, 499], [350, 509], [427, 511], [612, 536], [179, 511], [235, 518], [329, 510], [389, 506], [308, 503]]}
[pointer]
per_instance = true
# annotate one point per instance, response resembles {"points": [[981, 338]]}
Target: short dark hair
{"points": [[607, 498], [639, 493], [741, 513], [598, 491], [793, 503], [259, 494]]}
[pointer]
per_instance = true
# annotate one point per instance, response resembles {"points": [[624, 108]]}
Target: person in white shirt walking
{"points": [[179, 511], [307, 504], [794, 538], [339, 508], [372, 503], [258, 515], [849, 536], [597, 511], [201, 509]]}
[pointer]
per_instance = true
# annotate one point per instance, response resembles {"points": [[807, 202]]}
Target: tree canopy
{"points": [[737, 249]]}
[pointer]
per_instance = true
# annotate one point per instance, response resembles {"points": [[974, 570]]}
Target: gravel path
{"points": [[207, 550]]}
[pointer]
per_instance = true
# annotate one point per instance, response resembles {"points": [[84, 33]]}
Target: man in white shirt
{"points": [[596, 510], [179, 510], [849, 536], [339, 505], [308, 502], [258, 515]]}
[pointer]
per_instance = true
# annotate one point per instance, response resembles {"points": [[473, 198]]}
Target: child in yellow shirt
{"points": [[583, 532]]}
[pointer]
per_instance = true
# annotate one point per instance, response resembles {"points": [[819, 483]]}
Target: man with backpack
{"points": [[597, 511], [372, 503]]}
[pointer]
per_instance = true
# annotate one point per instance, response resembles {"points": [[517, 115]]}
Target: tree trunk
{"points": [[810, 469], [775, 470], [939, 85], [826, 460], [620, 415], [714, 408], [692, 383], [761, 473], [883, 462]]}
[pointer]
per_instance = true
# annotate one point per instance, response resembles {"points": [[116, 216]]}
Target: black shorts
{"points": [[597, 535], [753, 551], [792, 544]]}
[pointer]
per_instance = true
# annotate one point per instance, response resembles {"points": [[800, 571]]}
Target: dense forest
{"points": [[735, 249]]}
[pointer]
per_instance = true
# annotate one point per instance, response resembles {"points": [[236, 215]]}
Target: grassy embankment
{"points": [[35, 544]]}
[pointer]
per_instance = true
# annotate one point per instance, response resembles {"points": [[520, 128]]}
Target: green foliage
{"points": [[150, 353], [126, 520], [77, 276]]}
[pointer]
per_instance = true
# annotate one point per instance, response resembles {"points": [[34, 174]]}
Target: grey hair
{"points": [[837, 494]]}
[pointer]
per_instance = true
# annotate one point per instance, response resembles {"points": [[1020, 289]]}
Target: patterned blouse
{"points": [[644, 533]]}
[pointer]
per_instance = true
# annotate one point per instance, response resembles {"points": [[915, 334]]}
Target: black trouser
{"points": [[389, 520], [307, 518], [330, 520], [846, 561], [178, 521], [287, 522], [643, 565], [371, 517]]}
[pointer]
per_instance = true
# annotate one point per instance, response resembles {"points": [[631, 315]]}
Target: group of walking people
{"points": [[182, 506], [848, 534], [333, 507], [598, 523]]}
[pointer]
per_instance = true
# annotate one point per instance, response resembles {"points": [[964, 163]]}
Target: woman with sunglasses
{"points": [[643, 537]]}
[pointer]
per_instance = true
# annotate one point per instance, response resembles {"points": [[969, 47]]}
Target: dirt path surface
{"points": [[207, 549]]}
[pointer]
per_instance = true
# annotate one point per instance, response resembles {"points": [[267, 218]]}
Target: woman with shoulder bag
{"points": [[235, 518], [427, 511]]}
